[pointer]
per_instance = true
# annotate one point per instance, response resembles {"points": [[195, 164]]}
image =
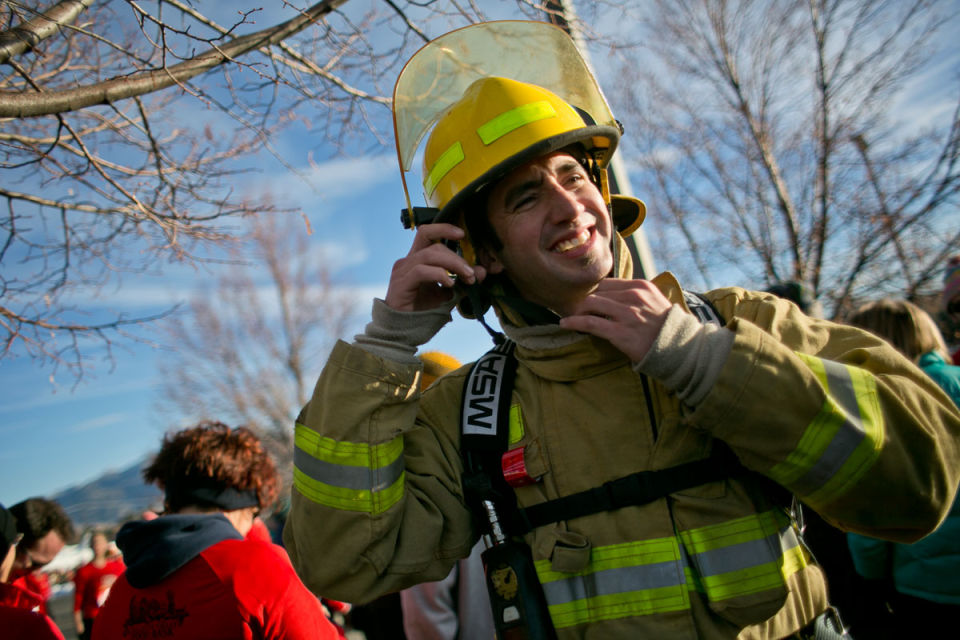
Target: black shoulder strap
{"points": [[635, 489], [485, 412], [484, 432]]}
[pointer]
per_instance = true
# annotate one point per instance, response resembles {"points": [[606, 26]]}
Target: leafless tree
{"points": [[772, 149], [248, 348], [120, 124], [124, 126]]}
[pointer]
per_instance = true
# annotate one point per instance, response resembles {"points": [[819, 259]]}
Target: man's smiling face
{"points": [[555, 231]]}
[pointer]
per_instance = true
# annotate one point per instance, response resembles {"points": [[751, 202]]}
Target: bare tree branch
{"points": [[24, 37], [755, 117], [20, 105]]}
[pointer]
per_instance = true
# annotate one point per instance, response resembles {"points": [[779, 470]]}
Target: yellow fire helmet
{"points": [[494, 96]]}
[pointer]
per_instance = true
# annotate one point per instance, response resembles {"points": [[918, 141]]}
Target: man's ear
{"points": [[489, 260]]}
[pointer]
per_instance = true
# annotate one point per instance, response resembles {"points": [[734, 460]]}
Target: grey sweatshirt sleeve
{"points": [[395, 335], [687, 355]]}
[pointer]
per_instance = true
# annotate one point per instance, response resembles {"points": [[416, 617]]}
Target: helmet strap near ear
{"points": [[614, 246], [475, 295], [466, 245], [603, 182]]}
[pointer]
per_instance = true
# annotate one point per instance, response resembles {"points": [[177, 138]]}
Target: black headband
{"points": [[228, 498]]}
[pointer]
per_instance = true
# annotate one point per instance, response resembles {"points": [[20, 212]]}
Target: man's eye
{"points": [[524, 202]]}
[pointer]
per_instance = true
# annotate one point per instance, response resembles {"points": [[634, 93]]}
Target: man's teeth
{"points": [[572, 243]]}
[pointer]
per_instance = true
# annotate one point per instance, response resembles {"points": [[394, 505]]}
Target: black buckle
{"points": [[416, 216]]}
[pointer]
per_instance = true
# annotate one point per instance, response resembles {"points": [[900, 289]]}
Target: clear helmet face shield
{"points": [[439, 74]]}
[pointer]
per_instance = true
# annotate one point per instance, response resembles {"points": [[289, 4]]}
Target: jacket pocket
{"points": [[741, 565]]}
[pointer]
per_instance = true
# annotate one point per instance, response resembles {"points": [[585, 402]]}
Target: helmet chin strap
{"points": [[614, 245], [479, 299]]}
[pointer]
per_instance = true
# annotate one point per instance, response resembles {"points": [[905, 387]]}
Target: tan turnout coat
{"points": [[832, 414]]}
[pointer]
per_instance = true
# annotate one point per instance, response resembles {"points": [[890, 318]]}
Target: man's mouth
{"points": [[572, 243]]}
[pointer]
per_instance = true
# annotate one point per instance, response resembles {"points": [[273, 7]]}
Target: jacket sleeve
{"points": [[836, 416], [377, 504]]}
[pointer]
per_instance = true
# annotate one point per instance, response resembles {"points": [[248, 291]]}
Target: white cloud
{"points": [[339, 179], [99, 422]]}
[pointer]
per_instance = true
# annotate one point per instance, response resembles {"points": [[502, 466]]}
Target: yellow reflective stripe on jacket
{"points": [[516, 431], [352, 476], [743, 556], [736, 558], [842, 441], [623, 580]]}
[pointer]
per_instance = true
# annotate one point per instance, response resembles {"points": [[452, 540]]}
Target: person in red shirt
{"points": [[46, 529], [191, 573], [20, 617], [92, 583]]}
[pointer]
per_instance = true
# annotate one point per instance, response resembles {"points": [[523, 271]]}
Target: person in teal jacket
{"points": [[925, 575]]}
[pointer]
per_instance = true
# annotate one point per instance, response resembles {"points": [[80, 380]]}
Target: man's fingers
{"points": [[429, 234], [419, 279], [434, 255], [597, 325], [627, 313], [602, 304]]}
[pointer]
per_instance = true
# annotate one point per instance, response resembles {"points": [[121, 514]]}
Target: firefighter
{"points": [[616, 378]]}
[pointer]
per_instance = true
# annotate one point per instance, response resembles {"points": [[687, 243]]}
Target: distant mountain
{"points": [[111, 498]]}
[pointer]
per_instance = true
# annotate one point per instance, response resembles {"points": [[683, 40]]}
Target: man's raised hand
{"points": [[627, 313], [421, 280]]}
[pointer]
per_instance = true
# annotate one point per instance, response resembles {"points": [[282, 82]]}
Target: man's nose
{"points": [[564, 203]]}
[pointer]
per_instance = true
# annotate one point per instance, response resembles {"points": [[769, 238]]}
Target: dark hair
{"points": [[8, 530], [479, 229], [36, 517], [213, 466]]}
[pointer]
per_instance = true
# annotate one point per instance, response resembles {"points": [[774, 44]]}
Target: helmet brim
{"points": [[628, 213]]}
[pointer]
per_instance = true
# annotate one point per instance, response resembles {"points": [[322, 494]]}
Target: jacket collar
{"points": [[563, 356], [155, 549]]}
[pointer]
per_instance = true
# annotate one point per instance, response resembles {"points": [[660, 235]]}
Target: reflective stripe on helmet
{"points": [[842, 441], [741, 557], [489, 132], [447, 161], [348, 475], [512, 120]]}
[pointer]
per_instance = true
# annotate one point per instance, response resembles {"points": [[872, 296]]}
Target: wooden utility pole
{"points": [[562, 14]]}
